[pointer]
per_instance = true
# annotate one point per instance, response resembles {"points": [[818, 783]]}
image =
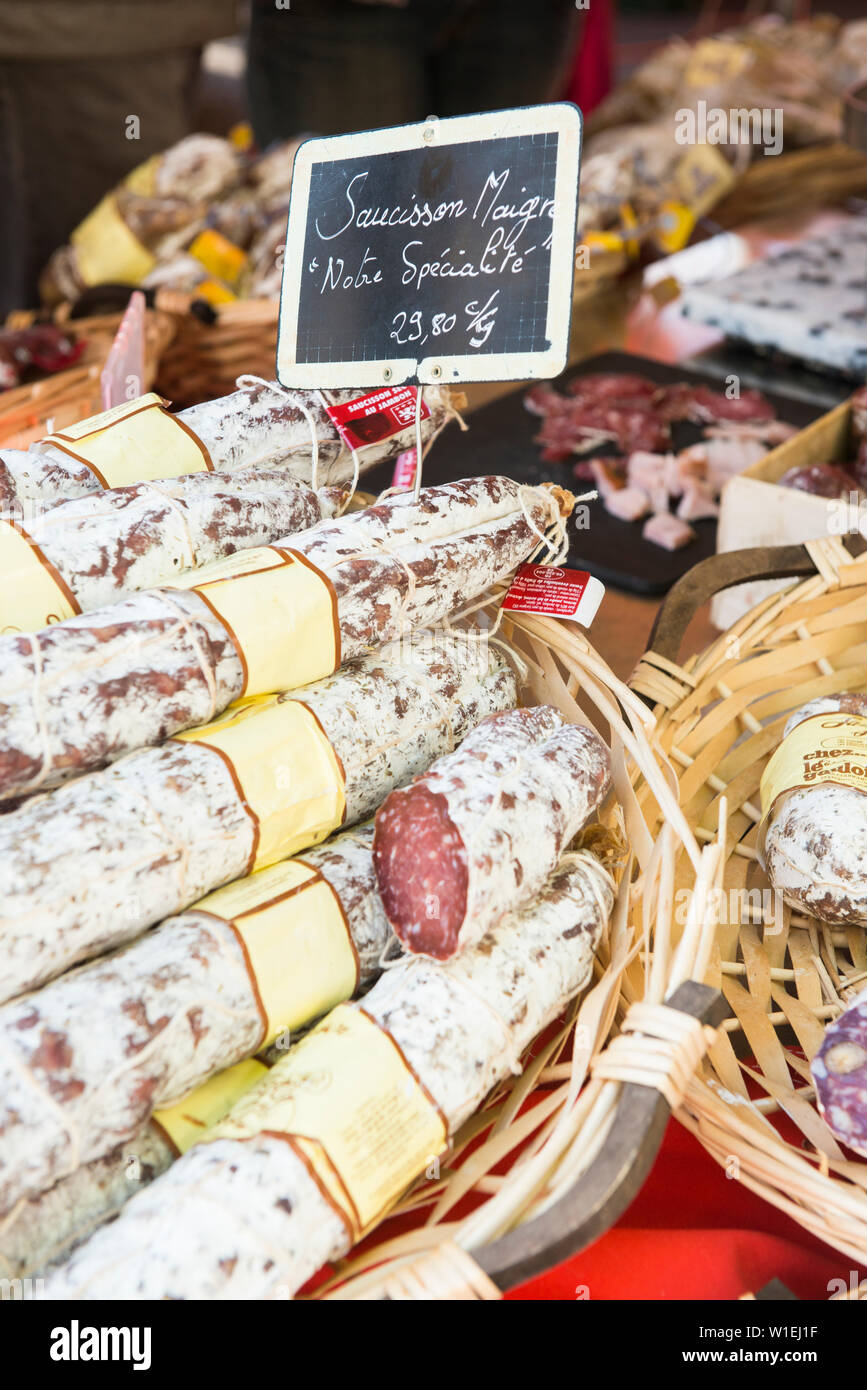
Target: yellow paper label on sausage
{"points": [[702, 177], [106, 251], [675, 226], [136, 442], [353, 1108], [824, 748], [605, 241], [296, 940], [716, 60], [190, 1119], [220, 256], [281, 612], [629, 222], [32, 595], [213, 292], [286, 770], [142, 180]]}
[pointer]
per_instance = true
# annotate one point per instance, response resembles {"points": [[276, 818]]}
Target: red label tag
{"points": [[404, 470], [368, 419], [556, 592]]}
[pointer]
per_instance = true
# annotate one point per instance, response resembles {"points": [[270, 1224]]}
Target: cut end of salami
{"points": [[840, 1074], [421, 867], [476, 836]]}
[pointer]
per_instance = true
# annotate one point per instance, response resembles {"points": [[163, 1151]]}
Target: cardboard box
{"points": [[755, 510]]}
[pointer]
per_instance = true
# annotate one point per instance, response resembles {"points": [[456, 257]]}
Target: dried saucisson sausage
{"points": [[260, 425], [82, 692], [839, 1072], [178, 1005], [816, 840], [115, 542]]}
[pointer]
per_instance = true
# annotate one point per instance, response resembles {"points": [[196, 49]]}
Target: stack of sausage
{"points": [[501, 929], [238, 835]]}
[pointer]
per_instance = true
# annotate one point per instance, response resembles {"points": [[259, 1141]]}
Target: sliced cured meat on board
{"points": [[261, 425], [612, 386], [82, 692], [582, 425], [124, 539], [478, 834], [839, 1071], [89, 866], [666, 530], [179, 1005], [707, 406], [460, 1027]]}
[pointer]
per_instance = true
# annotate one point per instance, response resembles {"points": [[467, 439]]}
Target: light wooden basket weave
{"points": [[825, 175], [720, 715]]}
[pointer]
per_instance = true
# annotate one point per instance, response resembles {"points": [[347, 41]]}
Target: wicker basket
{"points": [[28, 413], [823, 175], [205, 359], [720, 717]]}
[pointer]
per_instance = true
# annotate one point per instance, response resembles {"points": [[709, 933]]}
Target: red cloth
{"points": [[593, 74], [693, 1233]]}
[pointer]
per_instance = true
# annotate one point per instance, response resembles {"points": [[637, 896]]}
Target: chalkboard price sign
{"points": [[438, 252]]}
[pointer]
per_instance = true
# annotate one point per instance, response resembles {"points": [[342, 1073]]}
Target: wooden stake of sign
{"points": [[439, 252]]}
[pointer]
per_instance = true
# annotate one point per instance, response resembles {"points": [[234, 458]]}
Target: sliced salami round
{"points": [[839, 1071], [476, 835]]}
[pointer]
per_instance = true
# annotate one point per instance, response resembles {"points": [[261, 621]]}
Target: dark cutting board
{"points": [[500, 440]]}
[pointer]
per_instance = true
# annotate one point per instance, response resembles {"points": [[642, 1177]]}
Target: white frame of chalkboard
{"points": [[561, 117]]}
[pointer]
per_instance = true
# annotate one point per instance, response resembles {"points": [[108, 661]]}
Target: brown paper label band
{"points": [[189, 1120], [285, 771], [33, 594], [296, 942], [825, 748], [280, 611], [137, 442]]}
